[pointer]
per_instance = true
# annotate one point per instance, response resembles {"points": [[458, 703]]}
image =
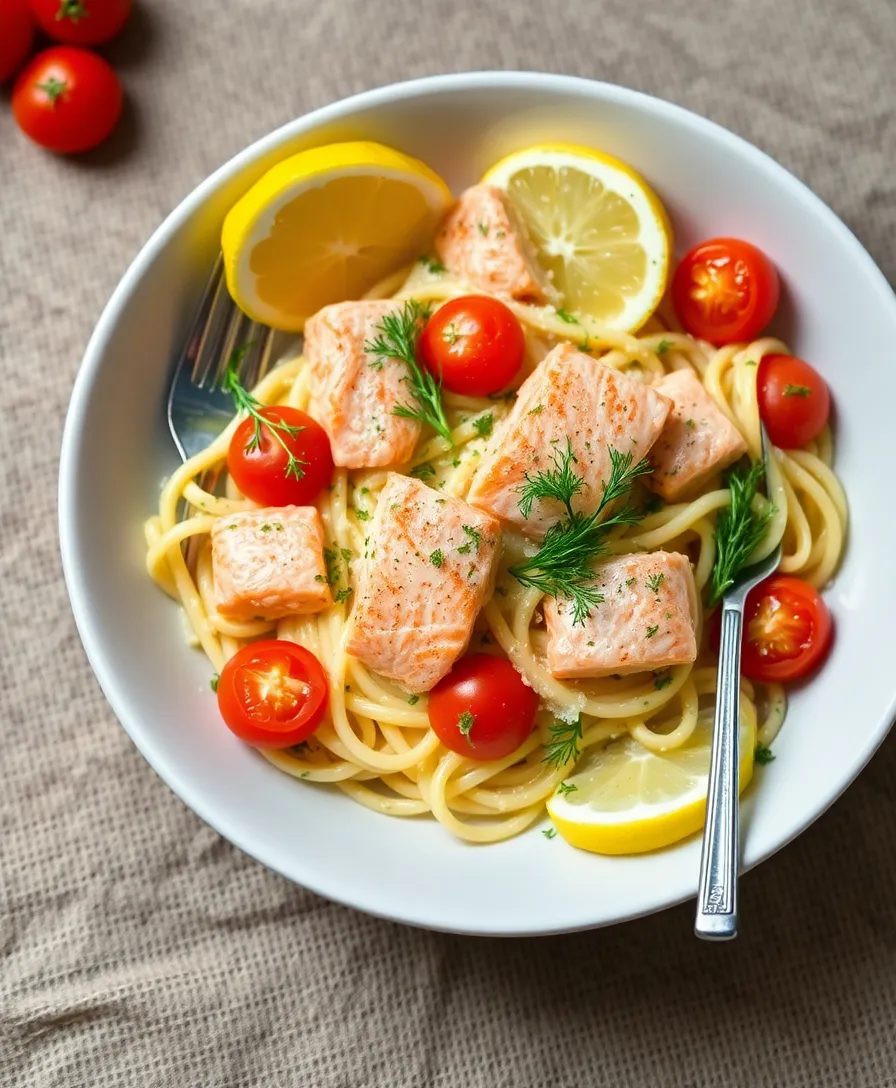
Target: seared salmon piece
{"points": [[483, 242], [647, 619], [353, 394], [270, 563], [569, 396], [697, 440], [427, 569]]}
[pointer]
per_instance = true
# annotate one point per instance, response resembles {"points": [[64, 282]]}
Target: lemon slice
{"points": [[326, 225], [628, 799], [599, 231]]}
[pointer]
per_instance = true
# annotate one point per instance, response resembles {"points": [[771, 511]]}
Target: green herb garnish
{"points": [[483, 425], [245, 402], [436, 557], [397, 339], [465, 723], [563, 747], [654, 582], [763, 754], [797, 390], [562, 567], [738, 531]]}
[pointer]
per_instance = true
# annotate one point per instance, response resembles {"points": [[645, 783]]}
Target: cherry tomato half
{"points": [[794, 401], [482, 709], [81, 22], [273, 694], [67, 99], [262, 470], [16, 36], [787, 630], [474, 344], [725, 290]]}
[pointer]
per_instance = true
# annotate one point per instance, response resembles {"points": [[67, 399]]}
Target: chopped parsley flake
{"points": [[483, 425], [663, 346], [213, 683], [654, 582], [763, 754], [343, 594], [660, 682], [475, 538], [436, 557], [413, 700], [651, 631], [690, 424], [566, 787], [566, 316], [483, 229], [537, 410], [797, 390], [362, 515], [424, 471], [465, 723], [431, 264], [549, 832]]}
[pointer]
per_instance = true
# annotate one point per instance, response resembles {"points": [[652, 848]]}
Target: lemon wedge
{"points": [[598, 229], [628, 799], [326, 225]]}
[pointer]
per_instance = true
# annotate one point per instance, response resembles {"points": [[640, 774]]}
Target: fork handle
{"points": [[717, 895]]}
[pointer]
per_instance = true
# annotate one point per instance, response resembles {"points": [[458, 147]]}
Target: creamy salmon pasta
{"points": [[461, 552]]}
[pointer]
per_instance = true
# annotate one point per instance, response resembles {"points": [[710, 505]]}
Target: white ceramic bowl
{"points": [[838, 311]]}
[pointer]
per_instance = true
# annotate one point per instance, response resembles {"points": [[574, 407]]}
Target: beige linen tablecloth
{"points": [[138, 947]]}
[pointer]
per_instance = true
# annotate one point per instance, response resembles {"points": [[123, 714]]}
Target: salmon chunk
{"points": [[647, 619], [269, 563], [697, 440], [427, 570], [353, 394], [482, 241], [573, 397]]}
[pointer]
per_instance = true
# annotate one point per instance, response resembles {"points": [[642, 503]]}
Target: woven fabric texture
{"points": [[139, 948]]}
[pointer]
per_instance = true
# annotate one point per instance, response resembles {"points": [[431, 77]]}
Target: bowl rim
{"points": [[87, 624]]}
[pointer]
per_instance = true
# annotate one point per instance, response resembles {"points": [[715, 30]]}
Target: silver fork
{"points": [[717, 895], [199, 408]]}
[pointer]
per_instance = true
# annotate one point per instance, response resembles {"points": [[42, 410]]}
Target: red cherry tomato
{"points": [[273, 693], [725, 290], [474, 344], [16, 36], [794, 401], [67, 100], [787, 630], [262, 471], [81, 22], [482, 709]]}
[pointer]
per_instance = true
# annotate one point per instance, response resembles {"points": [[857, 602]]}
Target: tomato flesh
{"points": [[81, 22], [482, 709], [787, 630], [273, 694], [474, 344], [67, 100], [794, 400], [725, 290], [261, 470]]}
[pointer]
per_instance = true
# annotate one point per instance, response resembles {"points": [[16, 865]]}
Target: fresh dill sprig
{"points": [[739, 529], [561, 482], [396, 338], [562, 567], [563, 747], [245, 402]]}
